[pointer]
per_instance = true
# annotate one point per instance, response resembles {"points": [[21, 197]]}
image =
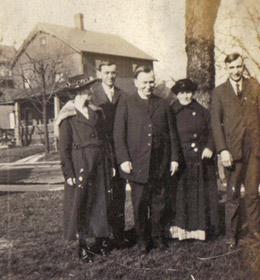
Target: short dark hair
{"points": [[232, 57], [105, 63], [142, 69]]}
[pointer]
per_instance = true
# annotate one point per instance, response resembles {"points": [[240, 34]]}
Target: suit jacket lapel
{"points": [[231, 92], [101, 97], [116, 95], [92, 118]]}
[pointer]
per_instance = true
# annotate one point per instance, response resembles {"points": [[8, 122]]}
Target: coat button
{"points": [[149, 134], [149, 144], [149, 125], [195, 150], [195, 135], [93, 135], [193, 145], [80, 178], [194, 114], [81, 170]]}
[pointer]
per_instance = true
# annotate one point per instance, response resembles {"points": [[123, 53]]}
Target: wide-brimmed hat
{"points": [[184, 85], [78, 84]]}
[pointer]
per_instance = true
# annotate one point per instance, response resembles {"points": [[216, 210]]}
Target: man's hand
{"points": [[207, 153], [174, 167], [126, 167], [71, 181], [226, 158]]}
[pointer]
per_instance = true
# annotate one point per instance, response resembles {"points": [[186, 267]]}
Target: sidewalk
{"points": [[30, 175]]}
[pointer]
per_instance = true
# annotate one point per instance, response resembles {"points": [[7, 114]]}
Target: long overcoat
{"points": [[196, 195], [84, 156], [145, 135]]}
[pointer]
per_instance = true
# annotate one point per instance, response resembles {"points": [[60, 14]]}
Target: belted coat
{"points": [[85, 156]]}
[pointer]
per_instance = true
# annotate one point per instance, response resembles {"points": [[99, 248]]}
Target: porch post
{"points": [[56, 106], [17, 124], [56, 112]]}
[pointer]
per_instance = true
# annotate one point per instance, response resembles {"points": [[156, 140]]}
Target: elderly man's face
{"points": [[145, 84], [235, 69], [108, 74]]}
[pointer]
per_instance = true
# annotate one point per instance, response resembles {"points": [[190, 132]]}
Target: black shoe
{"points": [[161, 244], [121, 244], [85, 255], [144, 247], [103, 249], [145, 250], [231, 243]]}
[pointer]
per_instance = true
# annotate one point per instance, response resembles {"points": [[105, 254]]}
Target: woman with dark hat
{"points": [[196, 187], [86, 166]]}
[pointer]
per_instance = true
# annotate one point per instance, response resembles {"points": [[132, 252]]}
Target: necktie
{"points": [[239, 93]]}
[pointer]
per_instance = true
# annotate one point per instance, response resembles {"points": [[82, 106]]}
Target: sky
{"points": [[155, 26]]}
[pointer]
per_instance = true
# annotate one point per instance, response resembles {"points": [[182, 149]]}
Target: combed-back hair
{"points": [[142, 69], [232, 57]]}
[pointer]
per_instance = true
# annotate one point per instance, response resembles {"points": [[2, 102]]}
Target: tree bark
{"points": [[200, 19]]}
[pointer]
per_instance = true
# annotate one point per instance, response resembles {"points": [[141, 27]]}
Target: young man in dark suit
{"points": [[106, 96], [235, 112], [147, 152]]}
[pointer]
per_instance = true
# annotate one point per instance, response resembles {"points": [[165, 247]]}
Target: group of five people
{"points": [[165, 151]]}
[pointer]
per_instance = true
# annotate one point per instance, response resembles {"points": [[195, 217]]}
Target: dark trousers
{"points": [[148, 205], [117, 206], [245, 171]]}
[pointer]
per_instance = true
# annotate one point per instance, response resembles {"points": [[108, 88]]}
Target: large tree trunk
{"points": [[200, 18]]}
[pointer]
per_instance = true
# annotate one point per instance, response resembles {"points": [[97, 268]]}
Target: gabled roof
{"points": [[88, 41], [8, 95], [7, 53]]}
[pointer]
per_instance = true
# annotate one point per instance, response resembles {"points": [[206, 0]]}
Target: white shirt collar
{"points": [[233, 84], [109, 91]]}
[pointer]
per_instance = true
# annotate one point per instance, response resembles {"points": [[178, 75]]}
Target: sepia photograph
{"points": [[130, 140]]}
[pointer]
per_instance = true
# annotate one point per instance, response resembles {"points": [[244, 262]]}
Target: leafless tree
{"points": [[39, 80]]}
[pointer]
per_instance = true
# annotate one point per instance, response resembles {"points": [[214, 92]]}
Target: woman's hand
{"points": [[126, 166], [174, 167], [71, 181], [207, 153]]}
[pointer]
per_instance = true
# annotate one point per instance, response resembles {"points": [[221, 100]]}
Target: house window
{"points": [[98, 62], [43, 41], [134, 66]]}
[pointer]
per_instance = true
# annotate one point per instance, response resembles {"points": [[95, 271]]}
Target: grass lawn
{"points": [[13, 154], [16, 153], [32, 223]]}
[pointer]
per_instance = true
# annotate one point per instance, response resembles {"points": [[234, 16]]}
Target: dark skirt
{"points": [[196, 194], [85, 207]]}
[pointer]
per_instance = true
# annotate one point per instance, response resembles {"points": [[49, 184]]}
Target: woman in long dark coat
{"points": [[86, 167], [196, 193]]}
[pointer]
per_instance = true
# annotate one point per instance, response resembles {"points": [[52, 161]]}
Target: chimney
{"points": [[78, 21]]}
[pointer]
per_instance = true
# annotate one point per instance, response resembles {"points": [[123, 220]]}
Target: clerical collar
{"points": [[142, 97]]}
